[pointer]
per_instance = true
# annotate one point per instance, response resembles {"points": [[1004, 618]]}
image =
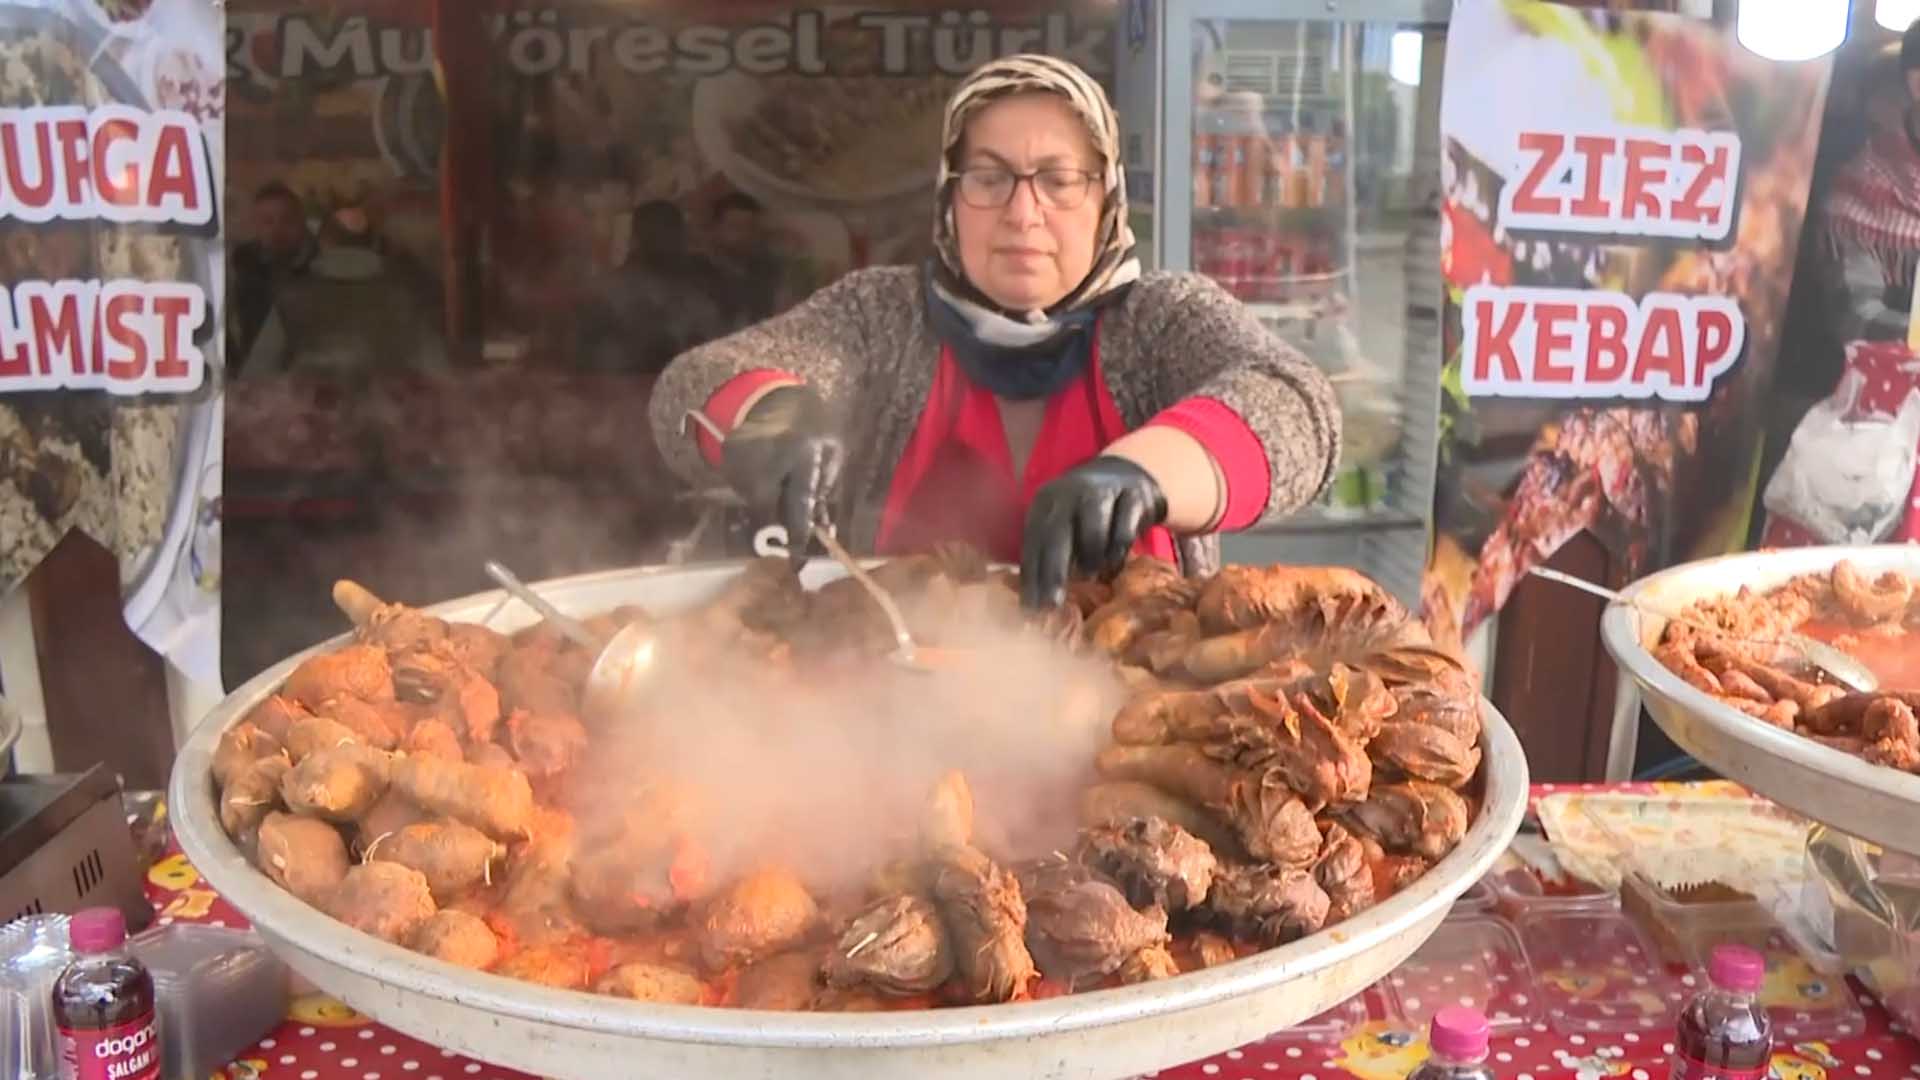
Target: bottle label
{"points": [[1688, 1068], [129, 1051]]}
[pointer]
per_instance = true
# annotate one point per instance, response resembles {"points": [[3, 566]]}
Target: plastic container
{"points": [[1686, 925], [1801, 1001], [1479, 899], [1598, 973], [1456, 1047], [1326, 1029], [1518, 891], [1723, 1033], [219, 990], [1473, 961]]}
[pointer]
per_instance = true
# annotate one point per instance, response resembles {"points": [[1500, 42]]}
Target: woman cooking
{"points": [[1031, 391]]}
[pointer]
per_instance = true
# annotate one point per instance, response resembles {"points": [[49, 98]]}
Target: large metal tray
{"points": [[1111, 1033], [1870, 801]]}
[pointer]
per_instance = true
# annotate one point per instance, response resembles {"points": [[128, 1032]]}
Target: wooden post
{"points": [[466, 180], [105, 691]]}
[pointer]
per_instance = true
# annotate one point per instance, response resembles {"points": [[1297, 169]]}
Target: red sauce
{"points": [[1893, 658]]}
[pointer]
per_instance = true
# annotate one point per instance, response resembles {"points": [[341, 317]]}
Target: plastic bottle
{"points": [[1457, 1047], [103, 1008], [1723, 1032]]}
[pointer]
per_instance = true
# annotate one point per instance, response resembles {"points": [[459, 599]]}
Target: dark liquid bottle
{"points": [[103, 1006], [1723, 1032]]}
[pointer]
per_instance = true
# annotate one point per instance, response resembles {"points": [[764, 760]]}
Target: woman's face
{"points": [[1025, 256]]}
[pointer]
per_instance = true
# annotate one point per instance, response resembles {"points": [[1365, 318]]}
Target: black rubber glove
{"points": [[1088, 519], [784, 459]]}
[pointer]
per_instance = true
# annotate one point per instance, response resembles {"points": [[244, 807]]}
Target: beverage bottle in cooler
{"points": [[1280, 167], [103, 1007], [1723, 1032], [1203, 154], [1457, 1047]]}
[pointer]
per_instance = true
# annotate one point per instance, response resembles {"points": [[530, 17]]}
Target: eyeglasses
{"points": [[991, 187]]}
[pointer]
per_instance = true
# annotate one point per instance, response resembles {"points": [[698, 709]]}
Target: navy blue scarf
{"points": [[1015, 372]]}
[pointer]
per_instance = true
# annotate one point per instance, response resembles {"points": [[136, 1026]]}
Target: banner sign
{"points": [[1618, 242]]}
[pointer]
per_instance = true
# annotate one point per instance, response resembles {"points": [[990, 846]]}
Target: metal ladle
{"points": [[1836, 663], [621, 671]]}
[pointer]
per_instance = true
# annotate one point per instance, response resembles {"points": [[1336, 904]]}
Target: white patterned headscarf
{"points": [[1114, 265]]}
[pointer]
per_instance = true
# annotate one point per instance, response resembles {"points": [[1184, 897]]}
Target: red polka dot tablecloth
{"points": [[1378, 1036]]}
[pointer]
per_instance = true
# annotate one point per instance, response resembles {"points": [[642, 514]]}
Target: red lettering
{"points": [[117, 191], [1661, 351], [1713, 339], [1606, 337], [131, 365], [173, 171], [1527, 198], [73, 158], [57, 334], [174, 336], [1549, 338], [37, 196], [1489, 343], [1594, 149], [13, 355], [1646, 173], [1690, 206]]}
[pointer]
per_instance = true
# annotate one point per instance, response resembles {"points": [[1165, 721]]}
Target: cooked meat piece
{"points": [[492, 755], [379, 726], [434, 738], [896, 946], [1870, 601], [1458, 715], [1122, 801], [302, 855], [762, 913], [251, 796], [384, 899], [276, 715], [454, 857], [788, 982], [1415, 817], [527, 680], [564, 966], [1270, 820], [463, 697], [496, 801], [1184, 715], [1735, 670], [948, 818], [340, 783], [1318, 761], [359, 671], [1357, 702], [1087, 595], [477, 647], [311, 733], [1086, 930], [1424, 752], [240, 746], [1243, 597], [458, 937], [1892, 733], [652, 982], [1149, 964], [533, 907], [546, 744], [1342, 872], [624, 886], [981, 905], [1211, 950], [392, 813], [1155, 863], [1117, 628], [1271, 905]]}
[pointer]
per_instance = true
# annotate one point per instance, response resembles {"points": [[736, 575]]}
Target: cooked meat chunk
{"points": [[457, 937], [1412, 818], [546, 744], [1342, 872], [1085, 930], [1156, 863], [303, 855], [652, 982], [1268, 904], [983, 910], [788, 982], [384, 899], [896, 946], [359, 671], [762, 913]]}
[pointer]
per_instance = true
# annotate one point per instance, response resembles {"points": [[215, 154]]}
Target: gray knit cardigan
{"points": [[863, 342]]}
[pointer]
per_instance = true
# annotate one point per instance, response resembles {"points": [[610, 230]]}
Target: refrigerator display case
{"points": [[1289, 149]]}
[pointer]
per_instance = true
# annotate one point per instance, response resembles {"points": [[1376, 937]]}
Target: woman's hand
{"points": [[784, 459], [1087, 518]]}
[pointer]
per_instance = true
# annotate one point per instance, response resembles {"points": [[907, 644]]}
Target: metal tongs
{"points": [[1838, 664], [624, 662]]}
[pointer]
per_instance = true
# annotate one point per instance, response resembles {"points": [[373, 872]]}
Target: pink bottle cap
{"points": [[1737, 967], [1458, 1033], [97, 930]]}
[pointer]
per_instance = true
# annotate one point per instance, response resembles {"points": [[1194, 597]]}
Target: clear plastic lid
{"points": [[1598, 973], [1329, 1027], [1478, 898], [1474, 961], [1519, 889]]}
